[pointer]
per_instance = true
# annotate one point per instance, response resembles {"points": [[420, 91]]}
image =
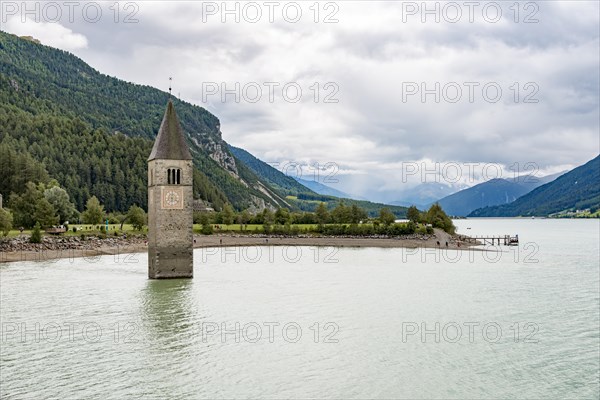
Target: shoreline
{"points": [[100, 247]]}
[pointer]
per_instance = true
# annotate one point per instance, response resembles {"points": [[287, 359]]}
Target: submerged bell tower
{"points": [[170, 198]]}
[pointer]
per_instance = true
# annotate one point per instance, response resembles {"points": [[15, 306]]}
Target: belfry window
{"points": [[174, 176]]}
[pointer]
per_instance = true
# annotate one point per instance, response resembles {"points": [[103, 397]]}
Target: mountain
{"points": [[305, 198], [319, 188], [491, 193], [285, 183], [425, 194], [61, 119], [532, 182], [277, 179], [93, 132], [576, 190]]}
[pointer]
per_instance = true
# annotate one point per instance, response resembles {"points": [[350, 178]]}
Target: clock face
{"points": [[172, 198]]}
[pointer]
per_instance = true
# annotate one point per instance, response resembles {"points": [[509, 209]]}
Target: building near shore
{"points": [[201, 206]]}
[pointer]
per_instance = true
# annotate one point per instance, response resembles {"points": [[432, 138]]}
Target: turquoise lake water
{"points": [[301, 322]]}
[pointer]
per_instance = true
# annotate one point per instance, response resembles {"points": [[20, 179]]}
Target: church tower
{"points": [[170, 197]]}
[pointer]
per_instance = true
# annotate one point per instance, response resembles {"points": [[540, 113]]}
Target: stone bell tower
{"points": [[170, 197]]}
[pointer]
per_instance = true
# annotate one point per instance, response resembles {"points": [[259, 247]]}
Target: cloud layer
{"points": [[374, 58]]}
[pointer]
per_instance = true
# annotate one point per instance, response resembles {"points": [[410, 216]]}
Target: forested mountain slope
{"points": [[93, 133], [576, 190]]}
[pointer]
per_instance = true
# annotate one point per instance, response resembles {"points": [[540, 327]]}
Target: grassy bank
{"points": [[368, 229]]}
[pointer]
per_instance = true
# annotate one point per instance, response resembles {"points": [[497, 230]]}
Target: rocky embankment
{"points": [[20, 249], [58, 243]]}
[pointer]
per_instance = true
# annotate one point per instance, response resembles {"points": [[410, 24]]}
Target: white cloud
{"points": [[369, 54], [49, 33]]}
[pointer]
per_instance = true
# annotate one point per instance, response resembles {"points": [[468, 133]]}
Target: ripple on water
{"points": [[151, 341]]}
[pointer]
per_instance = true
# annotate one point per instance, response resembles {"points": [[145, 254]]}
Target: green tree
{"points": [[341, 214], [439, 219], [94, 212], [244, 218], [267, 216], [357, 214], [36, 234], [18, 167], [45, 214], [204, 220], [282, 216], [59, 198], [23, 206], [268, 219], [115, 218], [386, 217], [6, 220], [227, 214], [413, 214], [304, 218], [322, 214], [136, 217]]}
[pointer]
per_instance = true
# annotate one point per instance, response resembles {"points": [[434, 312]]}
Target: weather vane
{"points": [[170, 81]]}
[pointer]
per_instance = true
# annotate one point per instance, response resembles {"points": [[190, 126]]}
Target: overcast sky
{"points": [[373, 60]]}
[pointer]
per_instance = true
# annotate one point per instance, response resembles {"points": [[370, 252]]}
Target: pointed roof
{"points": [[170, 143]]}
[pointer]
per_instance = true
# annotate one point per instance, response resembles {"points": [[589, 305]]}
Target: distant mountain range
{"points": [[272, 176], [575, 190], [324, 189], [491, 193], [425, 194], [306, 197], [290, 185]]}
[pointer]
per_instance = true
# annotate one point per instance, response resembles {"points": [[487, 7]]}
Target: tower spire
{"points": [[170, 141]]}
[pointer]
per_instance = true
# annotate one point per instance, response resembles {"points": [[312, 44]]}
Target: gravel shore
{"points": [[19, 249]]}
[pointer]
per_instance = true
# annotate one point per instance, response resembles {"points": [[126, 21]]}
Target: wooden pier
{"points": [[505, 240]]}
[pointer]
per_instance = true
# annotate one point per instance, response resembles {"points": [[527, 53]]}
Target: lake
{"points": [[301, 322]]}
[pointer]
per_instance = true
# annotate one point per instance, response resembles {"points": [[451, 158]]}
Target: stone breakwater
{"points": [[50, 243], [91, 242], [19, 249]]}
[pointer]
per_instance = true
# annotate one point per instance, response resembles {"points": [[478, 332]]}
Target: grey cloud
{"points": [[369, 54]]}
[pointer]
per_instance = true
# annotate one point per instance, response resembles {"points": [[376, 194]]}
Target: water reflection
{"points": [[371, 294], [169, 324], [168, 311]]}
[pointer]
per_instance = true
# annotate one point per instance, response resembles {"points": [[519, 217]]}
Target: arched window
{"points": [[174, 176]]}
